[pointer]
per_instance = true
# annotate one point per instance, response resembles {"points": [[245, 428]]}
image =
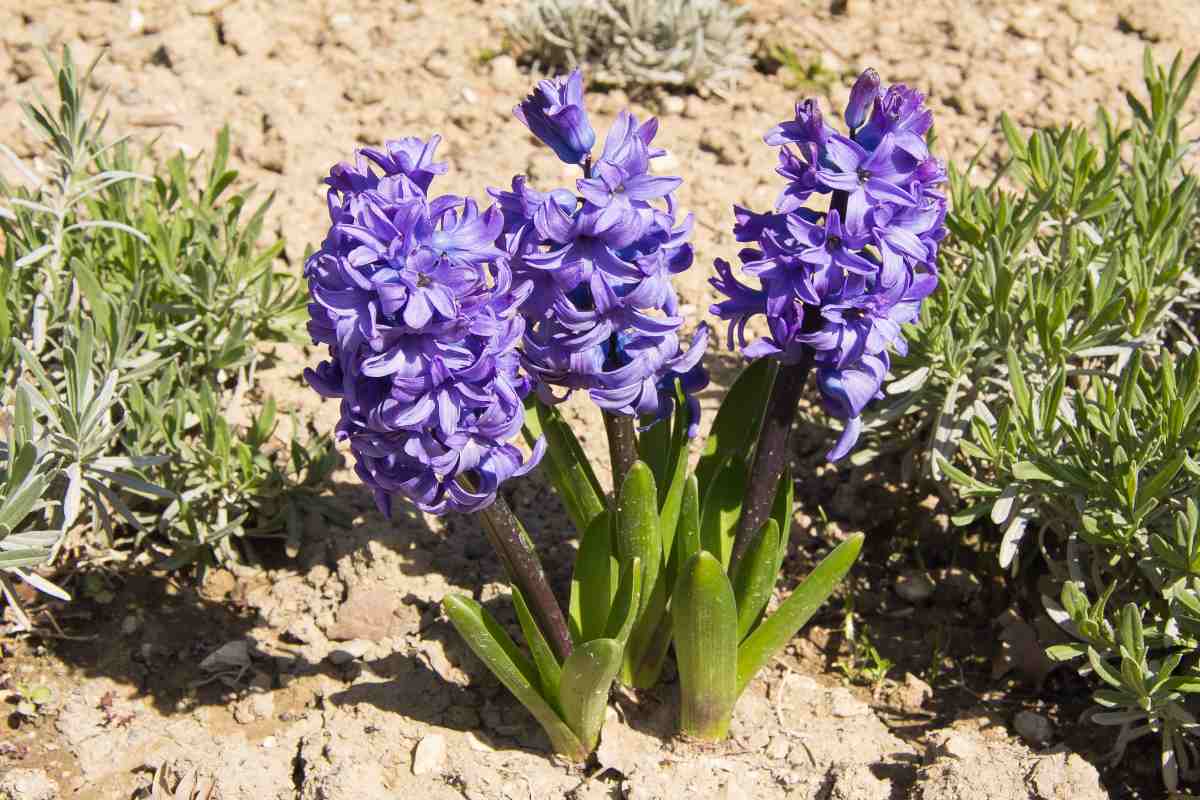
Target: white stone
{"points": [[430, 755]]}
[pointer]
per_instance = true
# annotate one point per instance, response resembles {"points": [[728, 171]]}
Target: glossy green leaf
{"points": [[654, 448], [624, 611], [735, 428], [722, 507], [778, 629], [705, 626], [565, 463], [587, 677], [636, 533], [781, 512], [754, 577], [595, 580], [687, 538], [549, 671], [488, 640], [644, 628]]}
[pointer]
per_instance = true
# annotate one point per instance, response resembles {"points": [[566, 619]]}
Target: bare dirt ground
{"points": [[332, 676]]}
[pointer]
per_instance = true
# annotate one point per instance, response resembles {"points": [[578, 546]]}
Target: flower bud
{"points": [[554, 113], [865, 90]]}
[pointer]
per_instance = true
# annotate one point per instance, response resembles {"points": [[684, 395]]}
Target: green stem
{"points": [[770, 454], [622, 447], [516, 550]]}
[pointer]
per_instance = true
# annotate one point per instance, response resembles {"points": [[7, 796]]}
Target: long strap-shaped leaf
{"points": [[722, 508], [565, 463], [754, 576], [735, 428], [636, 534], [547, 665], [778, 629], [705, 617], [587, 676], [496, 648], [595, 580]]}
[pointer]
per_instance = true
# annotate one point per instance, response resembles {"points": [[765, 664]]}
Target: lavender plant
{"points": [[132, 301], [1052, 387], [694, 44]]}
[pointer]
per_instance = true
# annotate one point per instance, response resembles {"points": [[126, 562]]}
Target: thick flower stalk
{"points": [[842, 263], [418, 308], [603, 315]]}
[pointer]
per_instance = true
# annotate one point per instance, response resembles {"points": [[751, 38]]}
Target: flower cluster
{"points": [[419, 310], [603, 315], [837, 284]]}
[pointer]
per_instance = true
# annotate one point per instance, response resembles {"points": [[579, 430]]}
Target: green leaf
{"points": [[636, 534], [722, 507], [497, 650], [705, 626], [654, 449], [735, 428], [754, 576], [565, 463], [587, 677], [595, 580], [781, 512], [547, 665], [644, 629], [625, 605], [778, 629], [669, 514], [1020, 390], [687, 538]]}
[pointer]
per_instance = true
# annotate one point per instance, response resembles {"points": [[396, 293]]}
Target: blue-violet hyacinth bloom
{"points": [[554, 113], [603, 316], [418, 308], [849, 252]]}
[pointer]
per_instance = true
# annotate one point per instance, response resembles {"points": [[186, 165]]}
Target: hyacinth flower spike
{"points": [[605, 320], [419, 309], [835, 286]]}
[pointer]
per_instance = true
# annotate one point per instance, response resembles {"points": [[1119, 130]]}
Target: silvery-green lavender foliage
{"points": [[130, 307], [696, 44], [1054, 385]]}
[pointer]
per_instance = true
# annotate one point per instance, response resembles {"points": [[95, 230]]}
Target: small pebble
{"points": [[847, 705], [430, 755], [1033, 727], [914, 586]]}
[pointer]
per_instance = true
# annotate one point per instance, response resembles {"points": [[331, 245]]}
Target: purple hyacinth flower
{"points": [[836, 288], [867, 177], [554, 113], [846, 392], [418, 307], [862, 98]]}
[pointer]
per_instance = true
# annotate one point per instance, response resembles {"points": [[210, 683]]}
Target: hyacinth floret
{"points": [[603, 316], [849, 252], [418, 308]]}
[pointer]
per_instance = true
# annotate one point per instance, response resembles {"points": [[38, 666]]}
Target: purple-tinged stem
{"points": [[516, 551], [770, 454], [622, 447]]}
